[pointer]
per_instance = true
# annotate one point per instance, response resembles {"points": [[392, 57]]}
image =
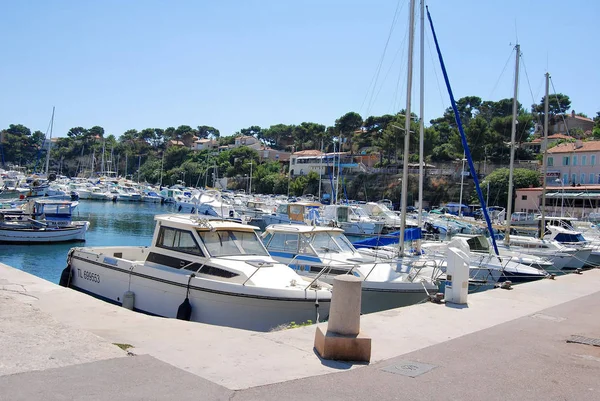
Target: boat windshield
{"points": [[343, 242], [324, 241], [359, 212], [232, 243]]}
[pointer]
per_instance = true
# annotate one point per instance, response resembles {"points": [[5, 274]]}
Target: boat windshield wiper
{"points": [[327, 249]]}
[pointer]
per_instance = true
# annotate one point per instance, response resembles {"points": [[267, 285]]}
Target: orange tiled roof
{"points": [[590, 146], [310, 152]]}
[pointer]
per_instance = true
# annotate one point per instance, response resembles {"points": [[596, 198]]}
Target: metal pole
{"points": [[162, 163], [49, 143], [421, 110], [337, 181], [545, 158], [411, 37], [513, 133], [250, 189], [462, 181]]}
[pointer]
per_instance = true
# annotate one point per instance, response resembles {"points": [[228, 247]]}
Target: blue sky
{"points": [[232, 64]]}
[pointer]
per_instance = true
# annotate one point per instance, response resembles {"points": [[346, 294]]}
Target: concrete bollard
{"points": [[344, 312], [343, 340]]}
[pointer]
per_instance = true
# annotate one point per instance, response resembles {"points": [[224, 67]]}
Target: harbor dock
{"points": [[56, 343]]}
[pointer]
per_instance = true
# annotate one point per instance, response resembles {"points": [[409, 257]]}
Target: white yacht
{"points": [[220, 269], [324, 252]]}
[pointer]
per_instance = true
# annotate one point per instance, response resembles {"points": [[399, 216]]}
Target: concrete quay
{"points": [[57, 344]]}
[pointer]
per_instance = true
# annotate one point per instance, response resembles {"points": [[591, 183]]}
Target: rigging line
{"points": [[433, 63], [529, 84], [558, 103], [396, 101], [502, 73], [378, 70], [370, 105]]}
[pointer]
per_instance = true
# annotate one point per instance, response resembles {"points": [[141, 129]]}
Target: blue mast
{"points": [[463, 138]]}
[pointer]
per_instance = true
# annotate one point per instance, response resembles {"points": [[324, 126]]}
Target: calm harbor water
{"points": [[125, 223]]}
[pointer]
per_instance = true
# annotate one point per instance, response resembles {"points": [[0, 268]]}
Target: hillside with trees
{"points": [[164, 155]]}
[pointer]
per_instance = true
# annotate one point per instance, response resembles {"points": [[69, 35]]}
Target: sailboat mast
{"points": [[320, 169], [103, 159], [545, 158], [162, 164], [49, 144], [513, 133], [337, 181], [404, 198], [421, 110]]}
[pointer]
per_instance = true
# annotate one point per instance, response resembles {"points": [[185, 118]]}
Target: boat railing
{"points": [[416, 269], [258, 265], [326, 268]]}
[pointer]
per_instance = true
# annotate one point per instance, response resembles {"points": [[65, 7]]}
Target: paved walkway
{"points": [[504, 345]]}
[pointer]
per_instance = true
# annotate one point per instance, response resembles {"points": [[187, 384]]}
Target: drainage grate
{"points": [[409, 368], [584, 340]]}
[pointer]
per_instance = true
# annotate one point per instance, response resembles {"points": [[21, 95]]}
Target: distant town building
{"points": [[249, 141], [576, 201], [567, 122], [305, 161], [573, 163], [536, 144], [204, 144]]}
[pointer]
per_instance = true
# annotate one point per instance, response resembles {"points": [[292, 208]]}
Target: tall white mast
{"points": [[545, 158], [411, 37], [162, 164], [102, 169], [513, 133], [49, 144], [421, 109]]}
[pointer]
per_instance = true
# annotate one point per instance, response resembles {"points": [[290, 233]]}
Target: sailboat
{"points": [[518, 272], [562, 256]]}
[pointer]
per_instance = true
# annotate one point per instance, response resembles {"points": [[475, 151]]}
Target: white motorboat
{"points": [[150, 196], [485, 266], [324, 252], [380, 212], [352, 219], [561, 256], [128, 194], [294, 213], [220, 269], [571, 238]]}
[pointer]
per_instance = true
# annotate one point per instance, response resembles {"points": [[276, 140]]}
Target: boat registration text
{"points": [[86, 275]]}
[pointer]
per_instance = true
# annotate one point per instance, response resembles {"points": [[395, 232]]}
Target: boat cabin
{"points": [[306, 240], [299, 212], [212, 248]]}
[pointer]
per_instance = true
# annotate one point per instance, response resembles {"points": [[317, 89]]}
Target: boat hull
{"points": [[44, 235], [160, 292]]}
